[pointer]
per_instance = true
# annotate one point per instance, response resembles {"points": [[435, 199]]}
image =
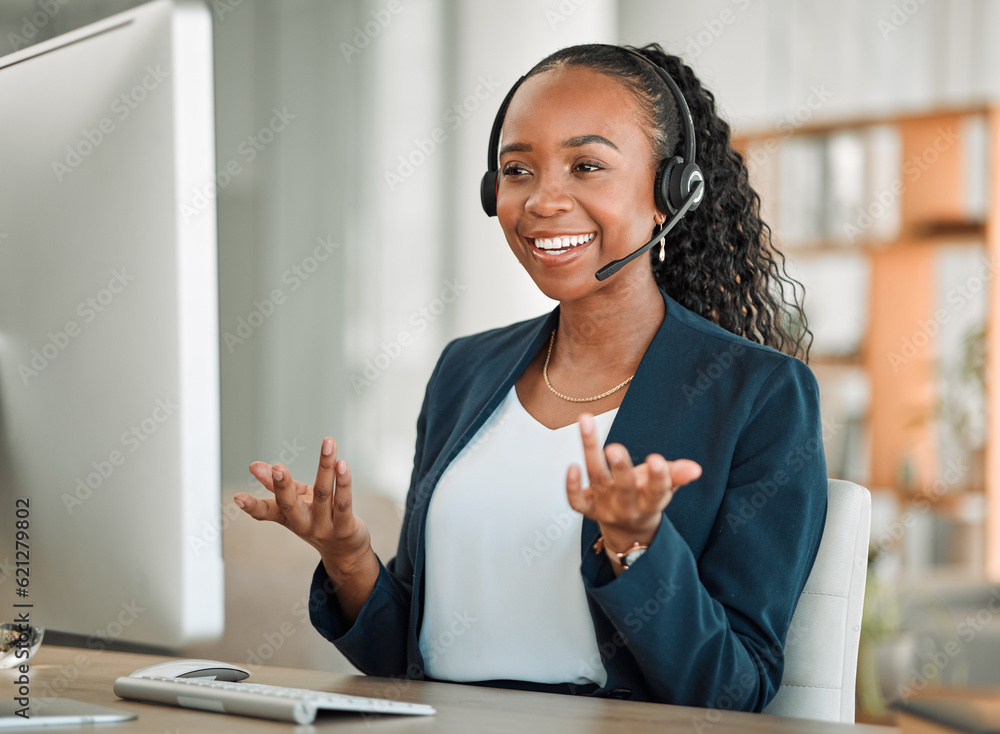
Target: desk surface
{"points": [[87, 675]]}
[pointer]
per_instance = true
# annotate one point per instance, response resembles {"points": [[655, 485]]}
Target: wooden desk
{"points": [[87, 675]]}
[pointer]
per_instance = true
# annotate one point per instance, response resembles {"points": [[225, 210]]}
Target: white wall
{"points": [[763, 58]]}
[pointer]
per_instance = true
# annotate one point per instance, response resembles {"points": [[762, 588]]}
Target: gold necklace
{"points": [[545, 374]]}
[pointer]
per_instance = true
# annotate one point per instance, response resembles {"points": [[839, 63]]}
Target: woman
{"points": [[513, 570]]}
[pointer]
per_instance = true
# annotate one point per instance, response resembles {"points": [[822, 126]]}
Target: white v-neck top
{"points": [[504, 598]]}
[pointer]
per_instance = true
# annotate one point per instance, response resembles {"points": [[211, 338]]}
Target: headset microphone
{"points": [[615, 265]]}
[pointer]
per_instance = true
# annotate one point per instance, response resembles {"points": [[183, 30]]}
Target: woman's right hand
{"points": [[322, 515]]}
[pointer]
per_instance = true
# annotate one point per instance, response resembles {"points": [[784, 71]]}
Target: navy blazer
{"points": [[702, 617]]}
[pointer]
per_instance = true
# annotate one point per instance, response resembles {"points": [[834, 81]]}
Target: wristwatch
{"points": [[627, 558]]}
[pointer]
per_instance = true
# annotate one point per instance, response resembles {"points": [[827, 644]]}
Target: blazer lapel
{"points": [[635, 423], [495, 383], [492, 387]]}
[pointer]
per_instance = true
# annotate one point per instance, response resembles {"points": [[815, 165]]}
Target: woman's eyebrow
{"points": [[515, 148], [582, 140], [576, 142]]}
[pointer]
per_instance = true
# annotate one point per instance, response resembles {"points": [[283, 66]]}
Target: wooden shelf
{"points": [[934, 235], [948, 230], [831, 126], [933, 218]]}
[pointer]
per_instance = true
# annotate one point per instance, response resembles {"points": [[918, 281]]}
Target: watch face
{"points": [[633, 556]]}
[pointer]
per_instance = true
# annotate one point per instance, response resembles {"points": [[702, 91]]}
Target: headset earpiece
{"points": [[488, 192], [683, 177], [674, 181], [661, 185], [490, 185]]}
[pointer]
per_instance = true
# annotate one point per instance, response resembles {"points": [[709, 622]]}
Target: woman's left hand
{"points": [[626, 501]]}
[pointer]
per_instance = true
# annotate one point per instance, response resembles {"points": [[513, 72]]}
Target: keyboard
{"points": [[298, 705]]}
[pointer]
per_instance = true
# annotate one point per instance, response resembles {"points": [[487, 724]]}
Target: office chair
{"points": [[821, 653]]}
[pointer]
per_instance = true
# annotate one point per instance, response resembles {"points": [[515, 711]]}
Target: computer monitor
{"points": [[109, 350]]}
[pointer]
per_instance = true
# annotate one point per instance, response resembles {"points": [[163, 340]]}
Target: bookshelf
{"points": [[893, 226]]}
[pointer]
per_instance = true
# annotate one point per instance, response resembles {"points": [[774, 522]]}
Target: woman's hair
{"points": [[720, 261]]}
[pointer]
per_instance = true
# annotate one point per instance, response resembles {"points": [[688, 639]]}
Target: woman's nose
{"points": [[549, 196]]}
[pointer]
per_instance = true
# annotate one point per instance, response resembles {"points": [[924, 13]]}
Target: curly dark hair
{"points": [[720, 260]]}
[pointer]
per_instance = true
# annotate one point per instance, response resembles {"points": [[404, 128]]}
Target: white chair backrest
{"points": [[821, 653]]}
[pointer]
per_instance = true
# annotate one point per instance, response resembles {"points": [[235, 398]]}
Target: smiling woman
{"points": [[545, 543]]}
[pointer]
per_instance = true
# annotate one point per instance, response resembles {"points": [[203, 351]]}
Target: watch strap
{"points": [[600, 547]]}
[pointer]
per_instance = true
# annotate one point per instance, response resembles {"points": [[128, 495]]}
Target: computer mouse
{"points": [[210, 669]]}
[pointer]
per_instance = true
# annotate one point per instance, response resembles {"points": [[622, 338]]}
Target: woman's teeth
{"points": [[558, 244]]}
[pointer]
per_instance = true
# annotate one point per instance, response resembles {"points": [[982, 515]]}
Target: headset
{"points": [[679, 186]]}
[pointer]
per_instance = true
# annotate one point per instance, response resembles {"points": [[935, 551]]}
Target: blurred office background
{"points": [[351, 137]]}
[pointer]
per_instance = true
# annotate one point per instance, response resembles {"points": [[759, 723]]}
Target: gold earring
{"points": [[663, 250]]}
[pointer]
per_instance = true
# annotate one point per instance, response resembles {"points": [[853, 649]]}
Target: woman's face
{"points": [[576, 181]]}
